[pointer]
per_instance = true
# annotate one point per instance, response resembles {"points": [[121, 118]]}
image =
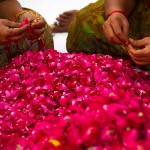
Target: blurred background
{"points": [[50, 9]]}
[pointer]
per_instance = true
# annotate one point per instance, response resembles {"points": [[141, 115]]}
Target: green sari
{"points": [[85, 33]]}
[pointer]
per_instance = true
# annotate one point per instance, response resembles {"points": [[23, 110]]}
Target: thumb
{"points": [[141, 42]]}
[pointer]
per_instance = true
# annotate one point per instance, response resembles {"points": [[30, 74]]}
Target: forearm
{"points": [[124, 5], [8, 9]]}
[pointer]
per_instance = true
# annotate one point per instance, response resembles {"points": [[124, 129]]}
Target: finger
{"points": [[59, 20], [38, 32], [56, 23], [119, 32], [141, 42], [63, 16], [131, 51], [139, 52], [62, 19], [108, 31], [141, 62], [62, 24], [17, 31], [70, 12], [38, 23], [59, 29], [139, 58], [11, 24]]}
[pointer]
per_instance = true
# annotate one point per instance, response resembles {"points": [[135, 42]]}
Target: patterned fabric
{"points": [[7, 52], [85, 32]]}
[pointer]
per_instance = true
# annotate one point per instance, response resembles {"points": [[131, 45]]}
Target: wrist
{"points": [[116, 11]]}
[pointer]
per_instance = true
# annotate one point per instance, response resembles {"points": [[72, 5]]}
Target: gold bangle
{"points": [[18, 14]]}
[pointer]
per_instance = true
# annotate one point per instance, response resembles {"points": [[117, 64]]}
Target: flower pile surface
{"points": [[60, 101]]}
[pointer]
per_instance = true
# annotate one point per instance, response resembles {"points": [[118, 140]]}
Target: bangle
{"points": [[116, 11], [18, 14]]}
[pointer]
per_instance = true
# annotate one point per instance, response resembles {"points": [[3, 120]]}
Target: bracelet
{"points": [[18, 14], [116, 11]]}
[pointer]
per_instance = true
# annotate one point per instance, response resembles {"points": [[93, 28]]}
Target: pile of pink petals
{"points": [[25, 22], [60, 101]]}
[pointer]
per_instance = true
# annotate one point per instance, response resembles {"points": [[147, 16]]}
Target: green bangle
{"points": [[18, 14]]}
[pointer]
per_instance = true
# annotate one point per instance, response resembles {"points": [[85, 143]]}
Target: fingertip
{"points": [[126, 42], [129, 46], [32, 25], [131, 40]]}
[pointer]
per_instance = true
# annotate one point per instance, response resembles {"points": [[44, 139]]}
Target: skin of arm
{"points": [[124, 5], [9, 8]]}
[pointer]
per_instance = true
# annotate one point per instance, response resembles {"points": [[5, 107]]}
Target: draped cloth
{"points": [[85, 33]]}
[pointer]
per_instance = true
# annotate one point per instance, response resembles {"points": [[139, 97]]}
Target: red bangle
{"points": [[116, 11]]}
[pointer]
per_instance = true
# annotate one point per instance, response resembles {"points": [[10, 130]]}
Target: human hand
{"points": [[139, 50], [10, 31], [116, 29], [37, 25], [63, 21]]}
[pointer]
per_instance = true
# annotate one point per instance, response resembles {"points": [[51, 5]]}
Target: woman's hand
{"points": [[37, 25], [116, 29], [140, 51], [63, 21], [10, 31]]}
